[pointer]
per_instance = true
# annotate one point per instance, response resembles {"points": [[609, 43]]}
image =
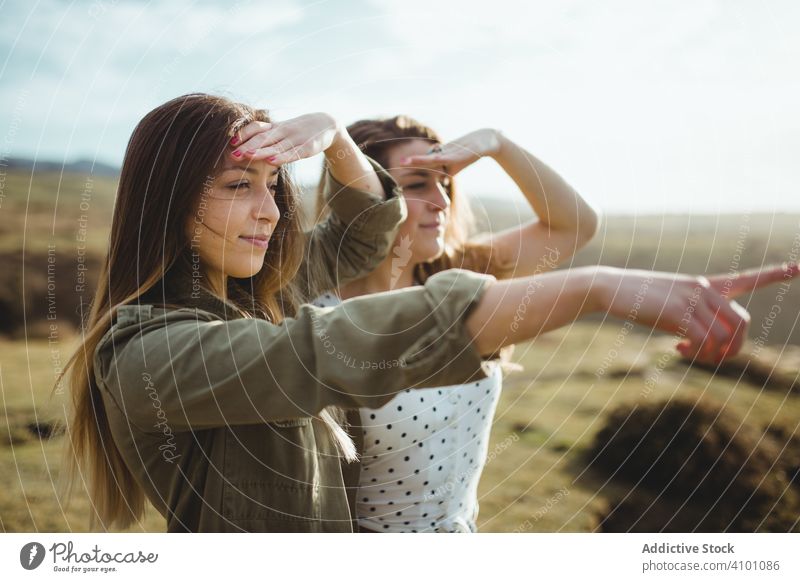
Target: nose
{"points": [[266, 209], [440, 200]]}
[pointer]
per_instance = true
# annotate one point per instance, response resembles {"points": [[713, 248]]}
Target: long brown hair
{"points": [[172, 151], [376, 138]]}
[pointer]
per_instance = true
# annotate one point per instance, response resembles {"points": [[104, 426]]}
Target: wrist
{"points": [[497, 145], [603, 287], [341, 146]]}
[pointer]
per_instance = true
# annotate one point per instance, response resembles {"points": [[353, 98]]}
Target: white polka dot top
{"points": [[423, 455]]}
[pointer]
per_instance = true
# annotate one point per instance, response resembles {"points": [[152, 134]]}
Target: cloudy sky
{"points": [[657, 106]]}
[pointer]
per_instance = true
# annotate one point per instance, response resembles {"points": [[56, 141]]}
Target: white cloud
{"points": [[665, 104]]}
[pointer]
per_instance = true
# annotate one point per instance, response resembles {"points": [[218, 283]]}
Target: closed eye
{"points": [[273, 188], [415, 186], [445, 183]]}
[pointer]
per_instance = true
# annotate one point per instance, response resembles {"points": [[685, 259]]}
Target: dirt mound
{"points": [[692, 466]]}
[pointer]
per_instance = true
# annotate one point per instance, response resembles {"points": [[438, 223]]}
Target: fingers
{"points": [[258, 146], [718, 334], [695, 338], [425, 161], [259, 140], [717, 331], [725, 321], [282, 152], [746, 281], [736, 319], [248, 131], [705, 335], [286, 141], [264, 147], [741, 332]]}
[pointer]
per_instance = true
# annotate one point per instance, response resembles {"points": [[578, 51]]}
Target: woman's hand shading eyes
{"points": [[285, 141], [457, 155]]}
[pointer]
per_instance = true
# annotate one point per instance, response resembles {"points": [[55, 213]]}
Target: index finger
{"points": [[752, 279]]}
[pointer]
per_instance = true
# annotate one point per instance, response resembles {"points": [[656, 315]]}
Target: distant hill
{"points": [[83, 166], [46, 208]]}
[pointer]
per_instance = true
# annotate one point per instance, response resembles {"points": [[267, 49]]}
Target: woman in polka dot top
{"points": [[425, 450]]}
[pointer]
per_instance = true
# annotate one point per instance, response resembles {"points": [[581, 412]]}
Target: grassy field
{"points": [[29, 460], [536, 478], [540, 475]]}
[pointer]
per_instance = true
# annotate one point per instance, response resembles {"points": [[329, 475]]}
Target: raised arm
{"points": [[357, 234], [564, 221], [282, 142], [365, 201]]}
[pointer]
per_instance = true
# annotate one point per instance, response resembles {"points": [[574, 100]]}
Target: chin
{"points": [[432, 254], [246, 270]]}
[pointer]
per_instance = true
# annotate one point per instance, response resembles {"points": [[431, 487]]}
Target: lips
{"points": [[261, 241], [436, 222]]}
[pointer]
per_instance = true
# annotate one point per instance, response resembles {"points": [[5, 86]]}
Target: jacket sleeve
{"points": [[185, 368], [356, 236]]}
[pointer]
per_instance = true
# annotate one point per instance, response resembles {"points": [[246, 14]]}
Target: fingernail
{"points": [[234, 140], [271, 158], [404, 160], [237, 154]]}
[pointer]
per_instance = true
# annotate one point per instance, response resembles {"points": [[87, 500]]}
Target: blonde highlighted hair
{"points": [[376, 138]]}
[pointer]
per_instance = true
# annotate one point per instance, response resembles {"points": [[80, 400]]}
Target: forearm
{"points": [[552, 199], [349, 166], [359, 354], [518, 310], [356, 235]]}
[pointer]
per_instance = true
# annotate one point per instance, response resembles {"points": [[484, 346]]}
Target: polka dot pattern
{"points": [[423, 455]]}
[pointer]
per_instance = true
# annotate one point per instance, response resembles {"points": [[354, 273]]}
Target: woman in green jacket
{"points": [[207, 387]]}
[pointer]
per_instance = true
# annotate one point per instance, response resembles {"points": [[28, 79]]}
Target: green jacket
{"points": [[214, 413]]}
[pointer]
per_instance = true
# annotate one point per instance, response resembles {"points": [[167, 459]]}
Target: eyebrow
{"points": [[248, 169]]}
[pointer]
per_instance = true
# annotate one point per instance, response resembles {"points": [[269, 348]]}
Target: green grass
{"points": [[561, 405], [30, 466], [546, 419], [45, 208], [547, 415]]}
